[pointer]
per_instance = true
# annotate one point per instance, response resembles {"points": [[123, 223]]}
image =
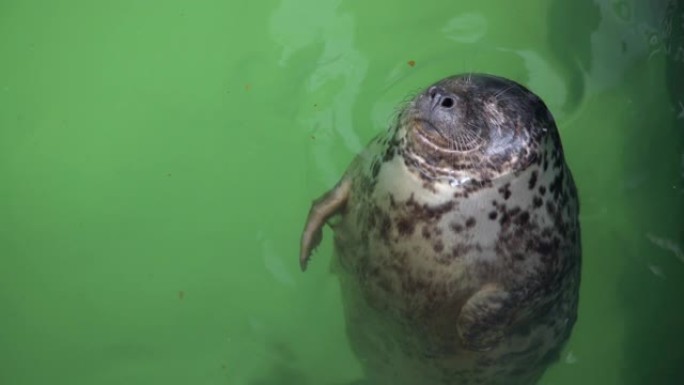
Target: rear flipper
{"points": [[331, 203], [484, 318]]}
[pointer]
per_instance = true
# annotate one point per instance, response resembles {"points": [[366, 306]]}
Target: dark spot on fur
{"points": [[505, 217], [375, 271], [558, 162], [429, 185], [426, 232], [523, 218], [438, 247], [425, 212], [470, 222], [537, 202], [385, 227], [542, 190], [533, 180], [492, 215], [405, 226], [390, 151], [392, 202], [460, 195], [544, 248], [375, 168], [385, 284], [456, 227], [550, 208], [459, 250], [556, 187], [505, 191]]}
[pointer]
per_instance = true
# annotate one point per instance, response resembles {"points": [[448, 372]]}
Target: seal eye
{"points": [[447, 102]]}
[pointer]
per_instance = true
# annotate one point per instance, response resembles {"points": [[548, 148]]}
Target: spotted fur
{"points": [[458, 241]]}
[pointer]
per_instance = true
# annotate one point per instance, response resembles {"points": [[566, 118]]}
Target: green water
{"points": [[158, 158]]}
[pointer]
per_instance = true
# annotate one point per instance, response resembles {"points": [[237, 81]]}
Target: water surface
{"points": [[157, 159]]}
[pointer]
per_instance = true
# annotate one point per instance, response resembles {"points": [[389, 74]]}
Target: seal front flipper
{"points": [[484, 318], [321, 210]]}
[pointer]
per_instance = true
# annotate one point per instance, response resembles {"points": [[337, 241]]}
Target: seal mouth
{"points": [[435, 153], [431, 136]]}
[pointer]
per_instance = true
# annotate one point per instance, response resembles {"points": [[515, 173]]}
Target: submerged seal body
{"points": [[457, 239]]}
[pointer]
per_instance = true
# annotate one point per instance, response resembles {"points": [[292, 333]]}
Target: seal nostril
{"points": [[447, 102], [432, 92]]}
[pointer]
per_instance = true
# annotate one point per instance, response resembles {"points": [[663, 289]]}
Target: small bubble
{"points": [[653, 40]]}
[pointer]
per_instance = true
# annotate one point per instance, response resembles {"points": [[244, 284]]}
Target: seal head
{"points": [[473, 127]]}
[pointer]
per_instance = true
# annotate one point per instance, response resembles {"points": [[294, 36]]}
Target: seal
{"points": [[457, 239]]}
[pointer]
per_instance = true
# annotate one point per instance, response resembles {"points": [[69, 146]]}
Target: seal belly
{"points": [[409, 259]]}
